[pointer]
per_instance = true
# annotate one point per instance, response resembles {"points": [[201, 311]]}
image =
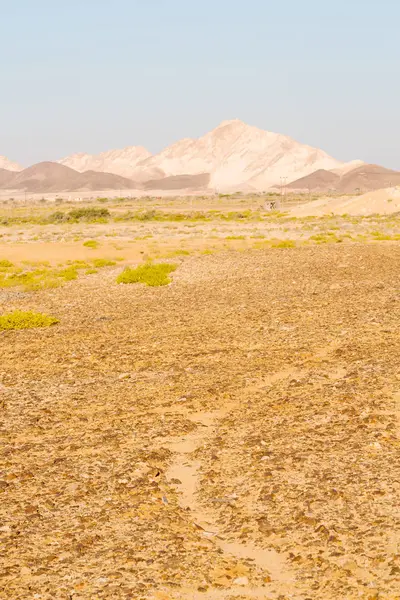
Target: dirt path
{"points": [[185, 474]]}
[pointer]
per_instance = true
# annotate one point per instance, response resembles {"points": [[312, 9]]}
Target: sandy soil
{"points": [[232, 435], [381, 202]]}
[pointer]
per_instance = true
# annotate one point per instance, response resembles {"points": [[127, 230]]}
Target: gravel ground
{"points": [[295, 354]]}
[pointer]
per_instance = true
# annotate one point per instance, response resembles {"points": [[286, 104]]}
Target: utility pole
{"points": [[283, 186]]}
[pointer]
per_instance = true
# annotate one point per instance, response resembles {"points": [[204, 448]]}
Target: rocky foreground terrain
{"points": [[232, 435]]}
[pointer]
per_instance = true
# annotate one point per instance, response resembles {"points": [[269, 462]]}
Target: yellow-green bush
{"points": [[150, 274], [284, 244], [19, 319], [99, 263], [91, 244], [5, 264]]}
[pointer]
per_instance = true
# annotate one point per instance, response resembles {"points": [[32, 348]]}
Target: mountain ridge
{"points": [[234, 154], [8, 165]]}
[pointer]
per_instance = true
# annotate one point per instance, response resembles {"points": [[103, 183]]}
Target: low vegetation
{"points": [[33, 276], [99, 263], [326, 238], [151, 274], [91, 244], [19, 319], [284, 244], [5, 264]]}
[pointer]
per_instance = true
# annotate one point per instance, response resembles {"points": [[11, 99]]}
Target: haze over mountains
{"points": [[232, 157], [235, 155], [8, 165]]}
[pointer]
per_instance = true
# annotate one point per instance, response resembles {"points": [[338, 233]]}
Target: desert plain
{"points": [[233, 434]]}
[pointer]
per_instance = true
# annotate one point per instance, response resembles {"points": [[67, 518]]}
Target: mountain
{"points": [[54, 177], [234, 155], [364, 178], [46, 177], [6, 177], [320, 180], [348, 166], [368, 178], [120, 162], [237, 155], [179, 182], [93, 180], [8, 165]]}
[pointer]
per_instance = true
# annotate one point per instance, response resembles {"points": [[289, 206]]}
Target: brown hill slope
{"points": [[179, 182], [46, 177], [93, 180], [54, 177], [368, 178], [365, 178], [320, 180], [6, 176]]}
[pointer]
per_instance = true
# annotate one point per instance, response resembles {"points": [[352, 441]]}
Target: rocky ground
{"points": [[232, 435]]}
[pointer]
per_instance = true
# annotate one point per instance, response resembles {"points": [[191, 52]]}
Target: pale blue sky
{"points": [[91, 75]]}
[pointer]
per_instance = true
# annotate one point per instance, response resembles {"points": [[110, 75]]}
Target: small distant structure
{"points": [[272, 205]]}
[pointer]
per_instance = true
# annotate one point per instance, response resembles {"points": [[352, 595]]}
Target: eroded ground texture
{"points": [[232, 435]]}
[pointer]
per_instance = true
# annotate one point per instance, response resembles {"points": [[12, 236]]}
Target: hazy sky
{"points": [[91, 75]]}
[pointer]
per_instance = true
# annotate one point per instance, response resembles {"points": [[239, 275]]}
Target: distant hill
{"points": [[236, 156], [118, 162], [179, 182], [54, 177], [93, 180], [368, 178], [6, 176], [45, 177], [364, 178], [319, 181], [9, 165]]}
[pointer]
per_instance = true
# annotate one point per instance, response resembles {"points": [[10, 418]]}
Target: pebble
{"points": [[241, 581]]}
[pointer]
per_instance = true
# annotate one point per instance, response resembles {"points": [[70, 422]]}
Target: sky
{"points": [[92, 75]]}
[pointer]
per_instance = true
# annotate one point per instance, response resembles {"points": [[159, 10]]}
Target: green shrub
{"points": [[58, 217], [380, 235], [88, 214], [25, 320], [178, 252], [326, 238], [5, 264], [150, 274], [284, 244], [78, 264], [69, 274], [99, 263], [91, 244]]}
